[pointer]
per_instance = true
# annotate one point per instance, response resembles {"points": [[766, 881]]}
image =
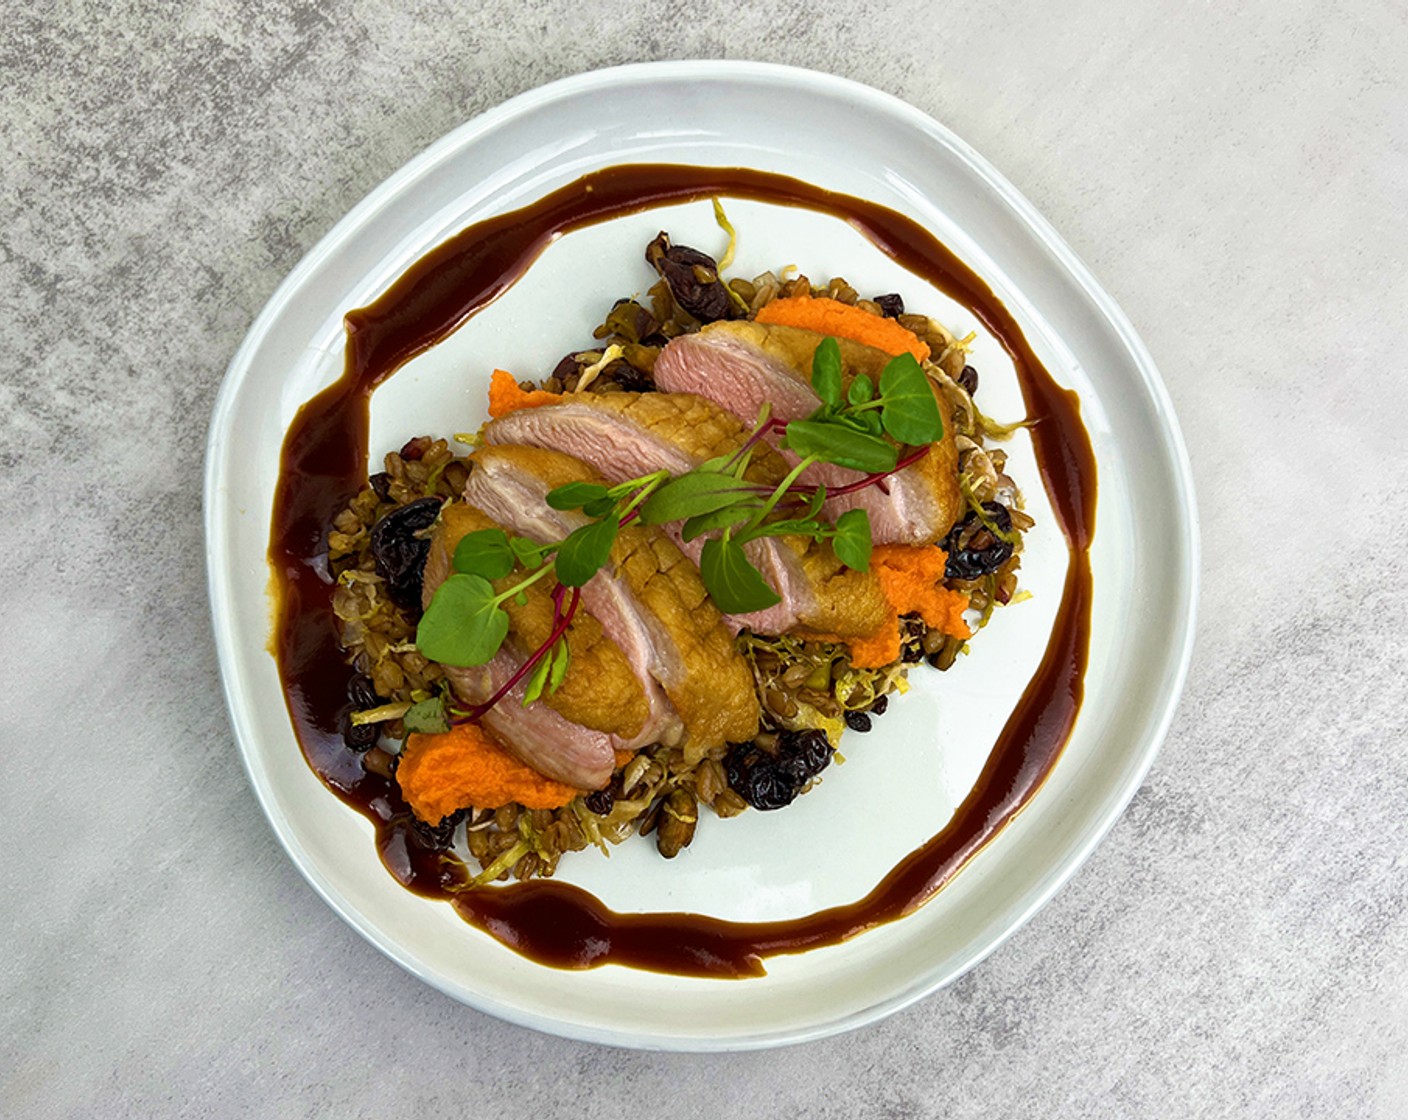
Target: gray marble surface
{"points": [[1235, 174]]}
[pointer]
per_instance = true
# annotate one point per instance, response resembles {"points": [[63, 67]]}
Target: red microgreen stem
{"points": [[562, 620], [759, 433], [648, 487], [873, 479], [777, 495]]}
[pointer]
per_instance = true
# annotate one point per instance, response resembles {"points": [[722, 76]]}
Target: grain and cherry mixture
{"points": [[808, 690]]}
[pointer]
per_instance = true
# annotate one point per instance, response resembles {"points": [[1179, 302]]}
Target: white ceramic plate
{"points": [[901, 783]]}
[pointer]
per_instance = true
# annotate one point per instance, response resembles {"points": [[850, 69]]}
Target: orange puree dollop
{"points": [[841, 320], [505, 396], [912, 579], [464, 766]]}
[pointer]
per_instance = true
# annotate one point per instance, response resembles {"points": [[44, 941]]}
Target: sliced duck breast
{"points": [[649, 599], [743, 365], [537, 734], [628, 435], [571, 734]]}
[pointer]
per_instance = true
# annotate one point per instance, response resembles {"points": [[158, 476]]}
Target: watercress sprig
{"points": [[846, 429]]}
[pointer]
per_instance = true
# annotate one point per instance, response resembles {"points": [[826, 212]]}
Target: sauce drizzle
{"points": [[324, 465]]}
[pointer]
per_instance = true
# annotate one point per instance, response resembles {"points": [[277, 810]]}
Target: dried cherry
{"points": [[772, 781], [967, 562], [891, 305], [399, 552]]}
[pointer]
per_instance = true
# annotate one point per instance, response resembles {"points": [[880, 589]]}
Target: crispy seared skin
{"points": [[843, 601], [692, 652], [714, 694]]}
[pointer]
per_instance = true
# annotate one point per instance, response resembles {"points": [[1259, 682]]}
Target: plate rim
{"points": [[1165, 704]]}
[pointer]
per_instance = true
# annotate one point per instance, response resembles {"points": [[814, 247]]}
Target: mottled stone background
{"points": [[1236, 174]]}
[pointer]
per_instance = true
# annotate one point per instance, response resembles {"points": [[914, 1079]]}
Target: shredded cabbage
{"points": [[614, 351]]}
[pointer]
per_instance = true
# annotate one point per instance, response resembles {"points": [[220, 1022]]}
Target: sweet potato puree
{"points": [[841, 320], [440, 774]]}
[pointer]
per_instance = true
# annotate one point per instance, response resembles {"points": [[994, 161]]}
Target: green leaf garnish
{"points": [[538, 681], [464, 624], [826, 372], [717, 465], [720, 519], [585, 550], [733, 583], [428, 717], [842, 445], [485, 552], [852, 540], [806, 526], [599, 507], [561, 658], [693, 494], [862, 390], [529, 553], [575, 495], [910, 412]]}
